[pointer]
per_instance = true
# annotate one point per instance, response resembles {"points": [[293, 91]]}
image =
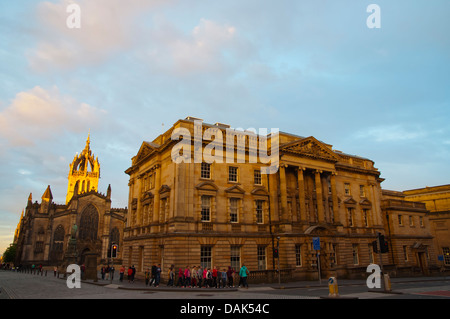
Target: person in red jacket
{"points": [[214, 277]]}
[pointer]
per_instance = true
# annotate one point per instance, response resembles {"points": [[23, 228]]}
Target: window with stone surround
{"points": [[205, 171], [206, 208], [232, 174]]}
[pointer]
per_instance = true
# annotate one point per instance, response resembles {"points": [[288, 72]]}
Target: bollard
{"points": [[387, 283], [333, 287]]}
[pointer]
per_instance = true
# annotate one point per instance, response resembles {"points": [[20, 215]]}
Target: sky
{"points": [[133, 68]]}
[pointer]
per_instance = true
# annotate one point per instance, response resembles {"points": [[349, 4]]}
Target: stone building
{"points": [[407, 228], [45, 228], [437, 201], [222, 213]]}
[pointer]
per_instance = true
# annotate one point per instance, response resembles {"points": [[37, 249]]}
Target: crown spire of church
{"points": [[84, 169]]}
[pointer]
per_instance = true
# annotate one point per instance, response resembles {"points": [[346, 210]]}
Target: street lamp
{"points": [[278, 251]]}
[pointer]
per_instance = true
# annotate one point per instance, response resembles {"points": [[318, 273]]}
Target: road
{"points": [[27, 286]]}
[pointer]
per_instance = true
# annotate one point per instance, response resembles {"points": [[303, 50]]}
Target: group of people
{"points": [[207, 277], [105, 272], [197, 276]]}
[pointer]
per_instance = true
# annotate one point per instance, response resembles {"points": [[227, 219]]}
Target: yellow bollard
{"points": [[387, 283], [333, 287]]}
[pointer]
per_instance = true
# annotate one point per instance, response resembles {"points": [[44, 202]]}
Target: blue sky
{"points": [[311, 68]]}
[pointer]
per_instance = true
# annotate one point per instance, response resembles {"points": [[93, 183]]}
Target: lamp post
{"points": [[279, 270]]}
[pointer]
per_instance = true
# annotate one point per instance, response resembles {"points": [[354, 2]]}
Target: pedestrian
{"points": [[107, 269], [209, 277], [230, 273], [205, 277], [200, 276], [180, 278], [111, 272], [103, 271], [82, 268], [243, 273], [158, 275], [153, 275], [214, 277], [121, 272], [194, 276], [55, 270], [133, 273], [147, 275], [224, 278], [187, 277], [170, 276]]}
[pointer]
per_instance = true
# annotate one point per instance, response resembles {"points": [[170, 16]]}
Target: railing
{"points": [[270, 276]]}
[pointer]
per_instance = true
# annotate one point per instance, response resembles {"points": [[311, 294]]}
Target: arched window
{"points": [[89, 223], [58, 239], [114, 236]]}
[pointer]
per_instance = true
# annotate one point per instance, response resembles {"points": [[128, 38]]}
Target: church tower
{"points": [[84, 169]]}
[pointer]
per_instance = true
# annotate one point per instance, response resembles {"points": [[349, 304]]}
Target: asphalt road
{"points": [[27, 286]]}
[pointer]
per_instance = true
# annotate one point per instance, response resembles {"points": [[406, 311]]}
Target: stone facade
{"points": [[437, 201], [44, 230], [222, 214]]}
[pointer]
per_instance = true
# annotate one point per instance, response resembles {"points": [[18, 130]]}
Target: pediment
{"points": [[207, 186], [365, 202], [164, 189], [235, 189], [261, 191], [147, 195], [146, 149], [310, 147], [350, 201]]}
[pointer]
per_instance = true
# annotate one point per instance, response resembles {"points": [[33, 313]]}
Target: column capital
{"points": [[318, 171]]}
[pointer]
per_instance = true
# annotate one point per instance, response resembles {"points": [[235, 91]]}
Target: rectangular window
{"points": [[257, 177], [333, 257], [234, 210], [206, 256], [235, 257], [232, 174], [205, 171], [261, 257], [350, 217], [411, 221], [259, 211], [206, 208], [362, 191], [366, 217], [355, 254], [446, 253], [371, 260], [421, 221], [405, 253], [298, 255], [400, 220], [347, 189]]}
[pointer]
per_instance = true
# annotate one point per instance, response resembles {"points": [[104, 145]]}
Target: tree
{"points": [[10, 254]]}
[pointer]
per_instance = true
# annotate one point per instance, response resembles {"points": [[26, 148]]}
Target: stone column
{"points": [[319, 197], [301, 194], [283, 193], [156, 198], [335, 198]]}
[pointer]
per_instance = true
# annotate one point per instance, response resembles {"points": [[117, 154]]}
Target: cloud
{"points": [[208, 47], [106, 27], [40, 114]]}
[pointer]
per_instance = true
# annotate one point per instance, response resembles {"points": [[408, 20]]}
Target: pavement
{"points": [[28, 286]]}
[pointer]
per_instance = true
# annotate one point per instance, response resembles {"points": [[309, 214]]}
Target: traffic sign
{"points": [[316, 243]]}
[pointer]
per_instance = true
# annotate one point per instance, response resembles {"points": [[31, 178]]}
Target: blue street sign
{"points": [[441, 257], [316, 243]]}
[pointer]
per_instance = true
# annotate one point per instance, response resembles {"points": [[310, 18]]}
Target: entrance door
{"points": [[423, 263]]}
